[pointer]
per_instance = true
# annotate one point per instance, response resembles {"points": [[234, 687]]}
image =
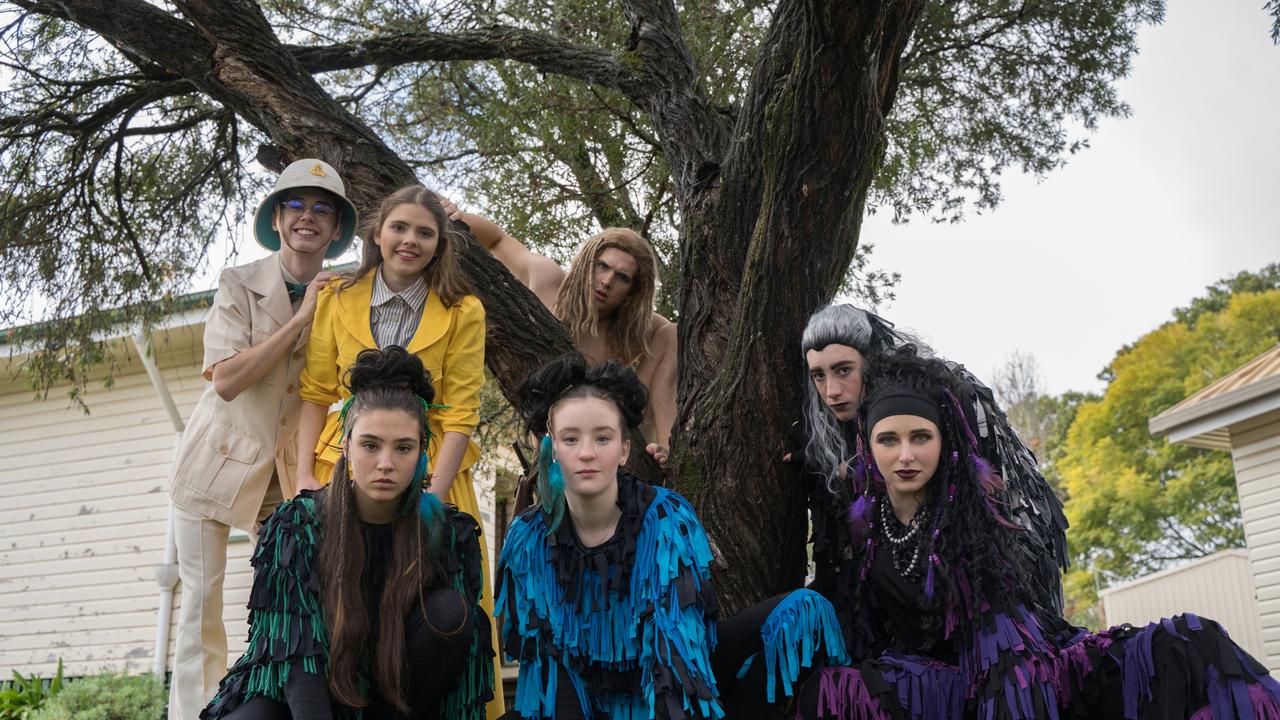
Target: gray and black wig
{"points": [[827, 444]]}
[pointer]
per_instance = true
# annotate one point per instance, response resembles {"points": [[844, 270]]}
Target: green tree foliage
{"points": [[119, 172], [1218, 295], [1138, 503]]}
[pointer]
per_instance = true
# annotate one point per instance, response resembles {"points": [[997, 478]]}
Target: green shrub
{"points": [[107, 697], [21, 696]]}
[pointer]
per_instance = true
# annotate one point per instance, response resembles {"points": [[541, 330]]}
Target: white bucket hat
{"points": [[312, 173]]}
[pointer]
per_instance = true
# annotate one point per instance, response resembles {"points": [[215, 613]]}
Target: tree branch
{"points": [[598, 195], [137, 28], [695, 136], [117, 192], [543, 51], [1003, 22], [1172, 528]]}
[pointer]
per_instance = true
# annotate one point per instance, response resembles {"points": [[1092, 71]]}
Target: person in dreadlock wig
{"points": [[366, 594], [605, 301], [838, 343], [604, 587], [945, 624]]}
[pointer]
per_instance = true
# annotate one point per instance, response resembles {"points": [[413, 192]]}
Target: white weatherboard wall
{"points": [[83, 507], [1255, 451], [1219, 586]]}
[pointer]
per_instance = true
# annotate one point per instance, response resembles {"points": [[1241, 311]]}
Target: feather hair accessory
{"points": [[550, 484]]}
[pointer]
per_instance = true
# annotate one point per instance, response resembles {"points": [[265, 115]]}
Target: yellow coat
{"points": [[450, 343]]}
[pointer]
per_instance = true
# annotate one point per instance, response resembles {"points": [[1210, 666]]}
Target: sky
{"points": [[1077, 264], [1183, 192]]}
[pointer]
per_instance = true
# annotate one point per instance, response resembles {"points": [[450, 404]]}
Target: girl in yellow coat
{"points": [[408, 291]]}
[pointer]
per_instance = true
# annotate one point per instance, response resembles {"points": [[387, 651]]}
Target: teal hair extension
{"points": [[415, 485], [432, 512], [550, 484], [342, 414]]}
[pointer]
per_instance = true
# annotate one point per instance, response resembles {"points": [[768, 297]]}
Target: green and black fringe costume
{"points": [[286, 622]]}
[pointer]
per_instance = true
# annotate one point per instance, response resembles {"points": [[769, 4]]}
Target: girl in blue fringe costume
{"points": [[604, 587], [945, 624], [365, 599]]}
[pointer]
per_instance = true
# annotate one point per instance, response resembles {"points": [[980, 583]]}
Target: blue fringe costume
{"points": [[287, 630], [632, 624]]}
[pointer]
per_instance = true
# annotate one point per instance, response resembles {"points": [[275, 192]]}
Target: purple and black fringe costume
{"points": [[961, 640]]}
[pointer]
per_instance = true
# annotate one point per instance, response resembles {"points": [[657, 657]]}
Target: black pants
{"points": [[738, 638], [437, 639]]}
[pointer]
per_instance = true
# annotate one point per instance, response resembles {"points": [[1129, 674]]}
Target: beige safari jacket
{"points": [[230, 450]]}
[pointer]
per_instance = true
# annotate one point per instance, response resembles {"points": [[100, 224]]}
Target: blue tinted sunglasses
{"points": [[320, 208]]}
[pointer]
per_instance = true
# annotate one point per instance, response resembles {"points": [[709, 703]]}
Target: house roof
{"points": [[1204, 419], [186, 309]]}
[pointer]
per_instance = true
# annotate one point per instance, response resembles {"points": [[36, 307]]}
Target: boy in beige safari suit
{"points": [[238, 454]]}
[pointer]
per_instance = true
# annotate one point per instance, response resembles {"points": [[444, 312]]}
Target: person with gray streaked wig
{"points": [[837, 342]]}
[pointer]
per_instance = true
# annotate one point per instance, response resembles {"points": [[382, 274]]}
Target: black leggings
{"points": [[436, 645], [738, 638]]}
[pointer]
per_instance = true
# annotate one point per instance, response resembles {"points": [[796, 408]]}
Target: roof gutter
{"points": [[1218, 412]]}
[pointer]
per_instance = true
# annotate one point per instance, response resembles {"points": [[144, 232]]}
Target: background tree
{"points": [[1040, 419], [751, 137], [1139, 503]]}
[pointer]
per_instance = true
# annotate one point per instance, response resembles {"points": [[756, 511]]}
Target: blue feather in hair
{"points": [[550, 484]]}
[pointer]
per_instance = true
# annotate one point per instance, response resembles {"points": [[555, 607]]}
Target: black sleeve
{"points": [[307, 695]]}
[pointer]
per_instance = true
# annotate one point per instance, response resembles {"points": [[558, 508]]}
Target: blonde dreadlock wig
{"points": [[628, 334]]}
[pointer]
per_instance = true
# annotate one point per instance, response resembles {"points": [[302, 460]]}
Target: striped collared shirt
{"points": [[394, 316]]}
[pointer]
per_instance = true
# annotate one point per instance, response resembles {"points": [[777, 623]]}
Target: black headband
{"points": [[902, 402]]}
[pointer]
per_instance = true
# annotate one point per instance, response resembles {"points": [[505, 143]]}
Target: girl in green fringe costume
{"points": [[365, 599]]}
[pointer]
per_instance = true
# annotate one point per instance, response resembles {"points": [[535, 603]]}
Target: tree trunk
{"points": [[764, 247]]}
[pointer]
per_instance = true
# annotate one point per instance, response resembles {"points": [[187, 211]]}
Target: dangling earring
{"points": [[414, 493]]}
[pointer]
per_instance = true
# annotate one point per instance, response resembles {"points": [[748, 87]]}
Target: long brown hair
{"points": [[629, 331], [443, 272], [380, 380]]}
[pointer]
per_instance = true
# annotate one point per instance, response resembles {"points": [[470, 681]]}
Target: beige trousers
{"points": [[200, 652]]}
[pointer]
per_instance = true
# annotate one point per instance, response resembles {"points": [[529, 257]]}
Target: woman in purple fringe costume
{"points": [[943, 623]]}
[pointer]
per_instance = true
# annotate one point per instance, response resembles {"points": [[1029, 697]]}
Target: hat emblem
{"points": [[318, 170]]}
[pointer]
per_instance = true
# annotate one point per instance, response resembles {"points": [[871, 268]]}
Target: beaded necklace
{"points": [[904, 549]]}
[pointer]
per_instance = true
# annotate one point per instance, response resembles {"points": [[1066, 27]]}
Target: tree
{"points": [[1041, 420], [1139, 503], [1019, 388], [1218, 295], [127, 126]]}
